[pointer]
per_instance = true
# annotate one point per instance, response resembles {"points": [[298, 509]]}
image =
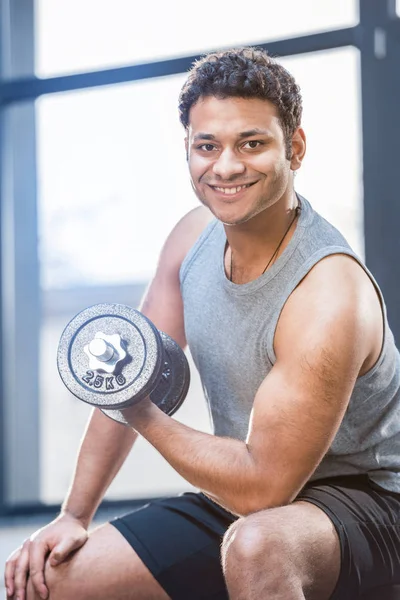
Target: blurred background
{"points": [[93, 177]]}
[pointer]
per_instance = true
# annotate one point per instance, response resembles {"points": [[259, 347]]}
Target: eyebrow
{"points": [[243, 134], [255, 131]]}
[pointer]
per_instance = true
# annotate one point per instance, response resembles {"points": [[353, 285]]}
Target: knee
{"points": [[242, 543], [254, 541], [59, 582]]}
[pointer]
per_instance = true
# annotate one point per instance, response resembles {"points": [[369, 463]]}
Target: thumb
{"points": [[64, 549]]}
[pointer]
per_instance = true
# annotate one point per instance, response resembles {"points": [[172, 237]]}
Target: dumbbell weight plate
{"points": [[137, 374], [173, 384]]}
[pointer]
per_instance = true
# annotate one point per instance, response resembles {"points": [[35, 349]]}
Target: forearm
{"points": [[223, 468], [103, 450]]}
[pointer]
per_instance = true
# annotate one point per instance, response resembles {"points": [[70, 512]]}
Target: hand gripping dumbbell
{"points": [[112, 356]]}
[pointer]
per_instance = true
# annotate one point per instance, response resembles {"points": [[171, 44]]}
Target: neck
{"points": [[255, 241]]}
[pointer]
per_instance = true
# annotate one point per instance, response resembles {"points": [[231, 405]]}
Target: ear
{"points": [[298, 149]]}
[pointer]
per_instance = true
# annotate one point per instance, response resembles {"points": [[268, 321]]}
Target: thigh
{"points": [[105, 567], [366, 519], [178, 540]]}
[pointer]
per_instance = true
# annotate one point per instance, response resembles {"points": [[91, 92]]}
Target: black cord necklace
{"points": [[297, 211]]}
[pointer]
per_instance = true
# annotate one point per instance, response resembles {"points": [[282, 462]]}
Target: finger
{"points": [[21, 572], [9, 572], [65, 547], [38, 553]]}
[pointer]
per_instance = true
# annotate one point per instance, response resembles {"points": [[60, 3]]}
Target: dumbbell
{"points": [[112, 356]]}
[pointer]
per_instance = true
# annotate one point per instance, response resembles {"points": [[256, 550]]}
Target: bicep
{"points": [[300, 405], [297, 412]]}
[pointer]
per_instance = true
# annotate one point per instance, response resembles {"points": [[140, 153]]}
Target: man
{"points": [[300, 483]]}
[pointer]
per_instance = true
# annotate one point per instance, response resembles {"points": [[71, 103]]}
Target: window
{"points": [[112, 168], [112, 183], [77, 36]]}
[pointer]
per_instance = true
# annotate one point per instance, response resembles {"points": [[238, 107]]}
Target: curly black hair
{"points": [[244, 73]]}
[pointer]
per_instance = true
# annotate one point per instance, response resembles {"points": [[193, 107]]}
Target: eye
{"points": [[206, 147], [253, 144]]}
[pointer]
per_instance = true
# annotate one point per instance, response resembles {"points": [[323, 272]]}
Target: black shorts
{"points": [[179, 539]]}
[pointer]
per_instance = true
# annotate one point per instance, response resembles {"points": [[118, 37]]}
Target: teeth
{"points": [[230, 191]]}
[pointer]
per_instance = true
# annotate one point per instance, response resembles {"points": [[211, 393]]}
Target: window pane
{"points": [[105, 166], [77, 36], [112, 167], [331, 175]]}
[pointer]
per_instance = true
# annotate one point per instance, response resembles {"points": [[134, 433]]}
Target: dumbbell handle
{"points": [[105, 352], [101, 350]]}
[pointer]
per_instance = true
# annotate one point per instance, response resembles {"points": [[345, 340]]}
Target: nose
{"points": [[228, 165]]}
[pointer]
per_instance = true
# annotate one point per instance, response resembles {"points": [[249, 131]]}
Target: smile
{"points": [[231, 191]]}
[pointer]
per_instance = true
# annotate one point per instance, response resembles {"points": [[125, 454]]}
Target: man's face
{"points": [[236, 156]]}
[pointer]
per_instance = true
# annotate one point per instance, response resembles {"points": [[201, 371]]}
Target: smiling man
{"points": [[299, 487]]}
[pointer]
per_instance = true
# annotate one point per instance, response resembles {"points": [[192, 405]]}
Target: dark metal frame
{"points": [[377, 36]]}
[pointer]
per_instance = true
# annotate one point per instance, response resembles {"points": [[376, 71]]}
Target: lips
{"points": [[231, 190]]}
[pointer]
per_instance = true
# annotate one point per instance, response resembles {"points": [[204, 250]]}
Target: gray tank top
{"points": [[230, 331]]}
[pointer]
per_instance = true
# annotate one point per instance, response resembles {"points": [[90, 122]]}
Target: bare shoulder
{"points": [[186, 232], [336, 293], [162, 301], [339, 281]]}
